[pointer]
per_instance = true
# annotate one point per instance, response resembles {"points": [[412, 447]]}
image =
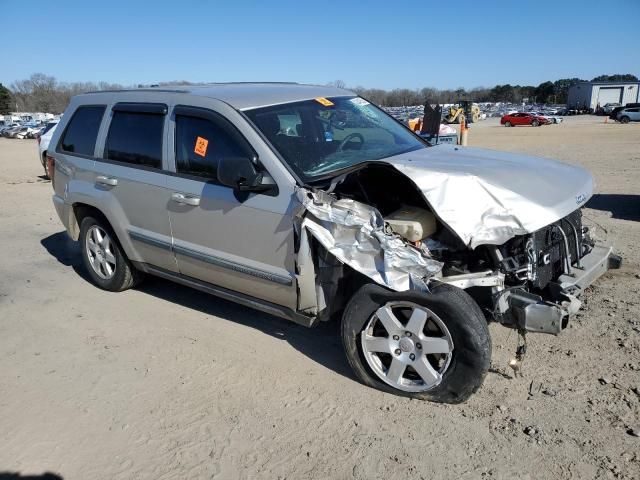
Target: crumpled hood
{"points": [[488, 197]]}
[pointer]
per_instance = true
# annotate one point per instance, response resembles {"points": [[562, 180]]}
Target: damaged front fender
{"points": [[355, 234]]}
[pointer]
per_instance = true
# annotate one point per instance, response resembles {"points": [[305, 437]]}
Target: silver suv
{"points": [[311, 204]]}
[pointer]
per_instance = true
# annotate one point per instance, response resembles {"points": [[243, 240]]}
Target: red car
{"points": [[523, 118]]}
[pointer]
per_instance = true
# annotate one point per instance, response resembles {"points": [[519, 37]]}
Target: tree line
{"points": [[546, 92], [44, 93]]}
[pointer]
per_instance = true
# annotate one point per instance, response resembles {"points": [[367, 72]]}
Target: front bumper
{"points": [[592, 266], [532, 313]]}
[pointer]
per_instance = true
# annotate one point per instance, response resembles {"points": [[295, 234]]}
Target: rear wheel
{"points": [[45, 165], [431, 346], [106, 263], [625, 119]]}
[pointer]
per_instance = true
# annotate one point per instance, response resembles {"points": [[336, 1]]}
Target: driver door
{"points": [[242, 244]]}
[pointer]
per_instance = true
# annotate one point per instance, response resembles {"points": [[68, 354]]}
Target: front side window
{"points": [[321, 136], [81, 133], [202, 142], [135, 138]]}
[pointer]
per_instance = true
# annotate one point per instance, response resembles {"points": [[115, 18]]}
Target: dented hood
{"points": [[488, 197]]}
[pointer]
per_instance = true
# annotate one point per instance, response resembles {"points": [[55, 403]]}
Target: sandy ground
{"points": [[165, 382]]}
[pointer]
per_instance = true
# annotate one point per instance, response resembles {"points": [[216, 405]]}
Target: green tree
{"points": [[618, 77], [544, 92], [6, 100], [562, 86]]}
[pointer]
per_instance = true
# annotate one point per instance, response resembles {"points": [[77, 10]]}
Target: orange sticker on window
{"points": [[201, 146], [324, 101]]}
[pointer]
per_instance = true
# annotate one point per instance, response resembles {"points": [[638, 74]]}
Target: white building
{"points": [[594, 94]]}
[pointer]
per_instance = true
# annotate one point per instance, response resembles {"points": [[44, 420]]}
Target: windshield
{"points": [[318, 137]]}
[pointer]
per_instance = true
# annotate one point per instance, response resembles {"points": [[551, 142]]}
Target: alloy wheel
{"points": [[407, 346], [99, 248]]}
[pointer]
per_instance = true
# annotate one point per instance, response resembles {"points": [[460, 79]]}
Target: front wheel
{"points": [[431, 346], [625, 119], [507, 124], [103, 258], [535, 123]]}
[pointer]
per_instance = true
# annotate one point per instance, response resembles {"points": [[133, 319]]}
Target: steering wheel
{"points": [[348, 139]]}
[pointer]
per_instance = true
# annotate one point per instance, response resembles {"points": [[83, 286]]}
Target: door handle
{"points": [[185, 200], [102, 180]]}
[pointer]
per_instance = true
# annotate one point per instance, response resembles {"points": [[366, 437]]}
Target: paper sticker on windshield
{"points": [[324, 101], [361, 102], [201, 146]]}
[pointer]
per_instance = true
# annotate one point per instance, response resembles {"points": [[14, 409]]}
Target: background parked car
{"points": [[10, 129], [27, 132], [549, 116], [615, 111], [523, 118], [43, 144], [608, 108], [15, 131], [627, 115]]}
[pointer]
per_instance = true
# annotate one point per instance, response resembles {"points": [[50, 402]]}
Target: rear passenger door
{"points": [[131, 182], [243, 244]]}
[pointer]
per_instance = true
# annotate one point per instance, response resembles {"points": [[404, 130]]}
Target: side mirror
{"points": [[240, 174]]}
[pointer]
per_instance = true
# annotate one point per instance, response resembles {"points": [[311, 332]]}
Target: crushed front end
{"points": [[545, 272]]}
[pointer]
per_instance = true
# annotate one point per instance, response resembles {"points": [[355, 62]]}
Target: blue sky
{"points": [[386, 44]]}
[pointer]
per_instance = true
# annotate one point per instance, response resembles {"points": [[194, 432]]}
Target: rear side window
{"points": [[135, 138], [49, 126], [202, 142], [82, 131]]}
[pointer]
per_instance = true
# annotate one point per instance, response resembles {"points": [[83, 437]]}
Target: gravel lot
{"points": [[165, 382]]}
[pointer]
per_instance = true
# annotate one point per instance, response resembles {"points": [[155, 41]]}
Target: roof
{"points": [[629, 82], [245, 96]]}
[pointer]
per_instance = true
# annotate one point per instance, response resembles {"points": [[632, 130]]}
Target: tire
{"points": [[45, 166], [119, 275], [508, 124], [535, 123], [624, 119], [468, 361]]}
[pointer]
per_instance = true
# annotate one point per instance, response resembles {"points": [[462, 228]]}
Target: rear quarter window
{"points": [[80, 135], [49, 127]]}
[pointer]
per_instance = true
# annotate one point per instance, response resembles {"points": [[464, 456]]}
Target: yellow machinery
{"points": [[464, 110]]}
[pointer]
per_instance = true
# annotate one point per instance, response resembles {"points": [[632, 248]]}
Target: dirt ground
{"points": [[165, 382]]}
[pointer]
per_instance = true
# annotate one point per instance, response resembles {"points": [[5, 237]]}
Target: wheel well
{"points": [[338, 281], [80, 211]]}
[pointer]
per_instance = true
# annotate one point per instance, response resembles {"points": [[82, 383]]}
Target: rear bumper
{"points": [[63, 210], [532, 313]]}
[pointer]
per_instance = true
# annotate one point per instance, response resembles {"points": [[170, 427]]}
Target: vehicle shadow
{"points": [[66, 251], [322, 344], [17, 476], [622, 206]]}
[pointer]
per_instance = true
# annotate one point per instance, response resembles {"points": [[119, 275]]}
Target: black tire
{"points": [[44, 165], [125, 275], [535, 123], [463, 318], [624, 119], [507, 124]]}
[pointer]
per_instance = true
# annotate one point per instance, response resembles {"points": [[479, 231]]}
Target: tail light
{"points": [[51, 169]]}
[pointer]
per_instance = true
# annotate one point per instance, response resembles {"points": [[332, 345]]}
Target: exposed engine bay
{"points": [[377, 221]]}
